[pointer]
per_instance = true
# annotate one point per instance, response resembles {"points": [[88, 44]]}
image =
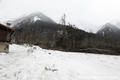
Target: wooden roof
{"points": [[7, 27]]}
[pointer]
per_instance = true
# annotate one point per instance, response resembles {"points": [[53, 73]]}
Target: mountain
{"points": [[109, 30], [32, 19], [35, 28]]}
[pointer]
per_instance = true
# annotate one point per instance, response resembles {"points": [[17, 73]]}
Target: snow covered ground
{"points": [[34, 63]]}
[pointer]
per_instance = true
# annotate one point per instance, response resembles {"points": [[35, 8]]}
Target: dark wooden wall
{"points": [[3, 35]]}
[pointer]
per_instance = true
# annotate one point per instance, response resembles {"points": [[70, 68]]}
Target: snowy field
{"points": [[34, 63]]}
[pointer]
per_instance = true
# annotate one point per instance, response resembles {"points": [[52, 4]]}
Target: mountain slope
{"points": [[109, 30]]}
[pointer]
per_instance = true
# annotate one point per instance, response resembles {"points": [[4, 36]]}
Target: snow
{"points": [[36, 18], [34, 63]]}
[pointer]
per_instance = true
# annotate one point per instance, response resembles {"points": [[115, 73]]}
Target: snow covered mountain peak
{"points": [[109, 27], [33, 17], [109, 30]]}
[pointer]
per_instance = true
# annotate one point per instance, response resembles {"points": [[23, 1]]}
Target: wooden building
{"points": [[5, 38]]}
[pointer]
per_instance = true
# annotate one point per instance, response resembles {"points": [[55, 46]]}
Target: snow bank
{"points": [[34, 63]]}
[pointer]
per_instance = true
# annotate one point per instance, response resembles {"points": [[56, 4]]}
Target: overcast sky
{"points": [[96, 12]]}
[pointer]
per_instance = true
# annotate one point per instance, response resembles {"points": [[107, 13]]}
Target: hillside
{"points": [[34, 63], [109, 31]]}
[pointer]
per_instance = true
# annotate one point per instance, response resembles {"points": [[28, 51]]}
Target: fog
{"points": [[95, 12]]}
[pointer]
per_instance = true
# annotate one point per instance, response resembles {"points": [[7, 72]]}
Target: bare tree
{"points": [[64, 32]]}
